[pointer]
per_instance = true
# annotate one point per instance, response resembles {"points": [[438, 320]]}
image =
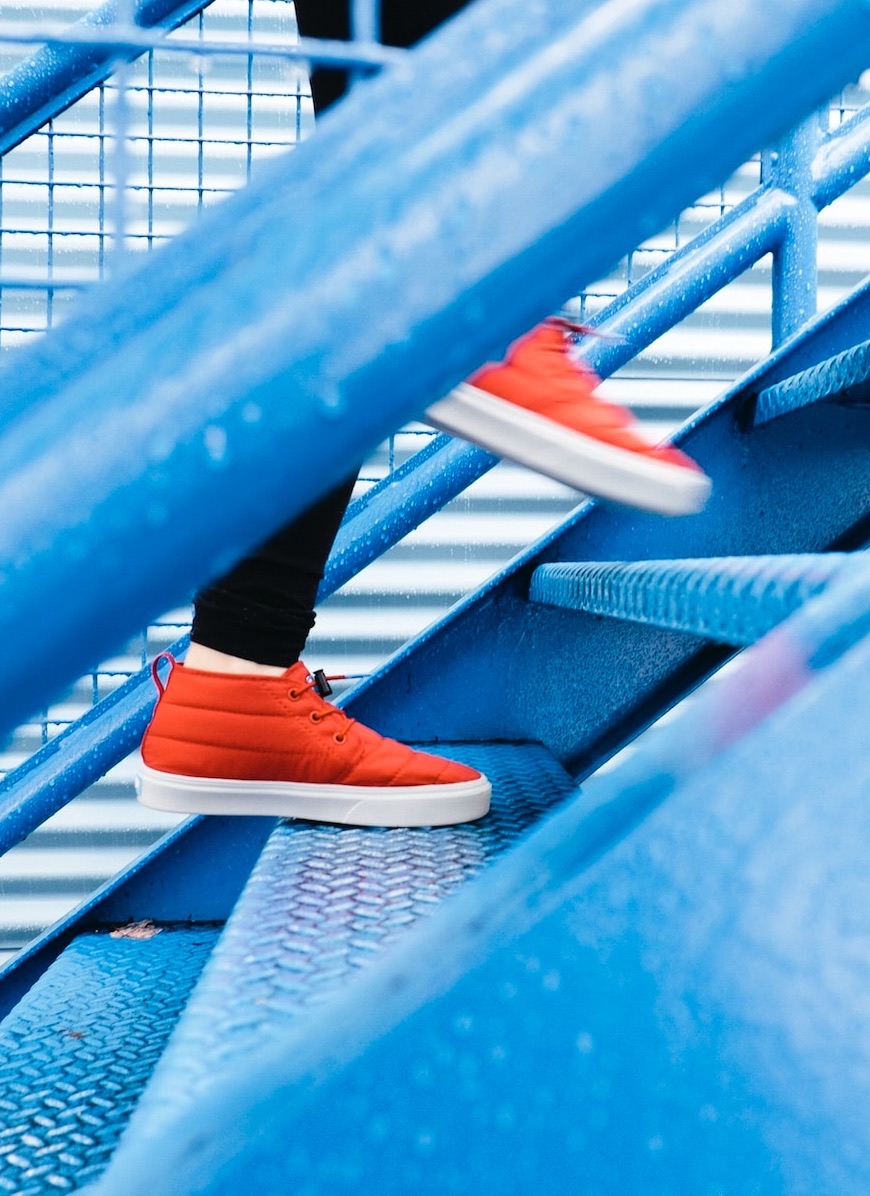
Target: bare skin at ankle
{"points": [[208, 660]]}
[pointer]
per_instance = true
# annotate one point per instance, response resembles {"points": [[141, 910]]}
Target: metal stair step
{"points": [[324, 902], [843, 378], [80, 1046], [732, 600]]}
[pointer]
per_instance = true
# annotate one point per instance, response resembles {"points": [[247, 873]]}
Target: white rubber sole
{"points": [[400, 806], [570, 457]]}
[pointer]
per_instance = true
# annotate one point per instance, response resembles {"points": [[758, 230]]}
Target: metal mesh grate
{"points": [[135, 161]]}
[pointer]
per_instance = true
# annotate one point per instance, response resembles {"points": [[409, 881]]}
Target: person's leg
{"points": [[537, 407], [262, 611], [402, 23], [242, 727]]}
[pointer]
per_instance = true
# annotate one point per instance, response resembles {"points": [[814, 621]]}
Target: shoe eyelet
{"points": [[338, 737], [315, 717], [294, 695]]}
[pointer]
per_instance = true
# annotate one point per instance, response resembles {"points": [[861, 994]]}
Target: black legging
{"points": [[263, 609]]}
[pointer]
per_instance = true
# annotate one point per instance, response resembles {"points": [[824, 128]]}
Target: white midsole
{"points": [[357, 805], [568, 456]]}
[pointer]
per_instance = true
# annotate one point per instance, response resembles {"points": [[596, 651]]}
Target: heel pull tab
{"points": [[155, 670]]}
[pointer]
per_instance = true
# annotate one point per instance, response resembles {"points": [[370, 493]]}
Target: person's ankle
{"points": [[209, 660]]}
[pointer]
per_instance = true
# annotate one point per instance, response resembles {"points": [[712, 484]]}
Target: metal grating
{"points": [[324, 901], [80, 1047]]}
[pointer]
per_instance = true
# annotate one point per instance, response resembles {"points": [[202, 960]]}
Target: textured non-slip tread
{"points": [[843, 378], [322, 902], [79, 1048], [733, 600]]}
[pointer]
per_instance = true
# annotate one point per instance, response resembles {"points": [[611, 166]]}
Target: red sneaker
{"points": [[538, 408], [243, 744]]}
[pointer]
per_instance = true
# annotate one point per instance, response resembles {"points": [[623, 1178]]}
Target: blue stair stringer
{"points": [[662, 989]]}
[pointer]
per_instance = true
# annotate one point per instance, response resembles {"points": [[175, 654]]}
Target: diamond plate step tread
{"points": [[734, 600], [321, 903], [79, 1048], [843, 378]]}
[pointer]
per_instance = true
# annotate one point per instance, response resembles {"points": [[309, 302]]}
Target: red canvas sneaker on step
{"points": [[247, 744], [538, 408]]}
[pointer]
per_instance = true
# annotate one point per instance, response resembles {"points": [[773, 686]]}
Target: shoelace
{"points": [[316, 716], [317, 681]]}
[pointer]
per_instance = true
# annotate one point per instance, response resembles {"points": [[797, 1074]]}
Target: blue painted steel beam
{"points": [[46, 83], [452, 237], [733, 600], [795, 272], [843, 378], [842, 158], [423, 1022]]}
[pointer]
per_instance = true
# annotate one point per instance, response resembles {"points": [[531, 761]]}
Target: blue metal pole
{"points": [[842, 159], [47, 82], [795, 269], [687, 279], [217, 391]]}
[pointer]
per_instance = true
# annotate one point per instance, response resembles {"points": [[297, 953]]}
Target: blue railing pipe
{"points": [[687, 278], [795, 269], [295, 328], [46, 83], [760, 224], [842, 159]]}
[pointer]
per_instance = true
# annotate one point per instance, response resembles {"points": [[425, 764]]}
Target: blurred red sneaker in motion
{"points": [[538, 408]]}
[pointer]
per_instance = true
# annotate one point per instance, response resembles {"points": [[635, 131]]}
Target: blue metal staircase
{"points": [[644, 972]]}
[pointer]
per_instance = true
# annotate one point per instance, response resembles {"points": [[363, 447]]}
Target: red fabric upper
{"points": [[247, 727], [538, 374]]}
